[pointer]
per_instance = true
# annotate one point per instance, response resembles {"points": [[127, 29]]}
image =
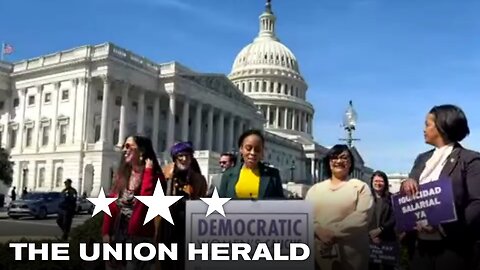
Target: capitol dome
{"points": [[268, 72], [265, 52]]}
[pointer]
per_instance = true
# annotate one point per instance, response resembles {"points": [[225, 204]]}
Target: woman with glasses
{"points": [[342, 209], [136, 175], [183, 178]]}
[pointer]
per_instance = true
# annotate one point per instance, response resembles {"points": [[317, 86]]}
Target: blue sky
{"points": [[394, 59]]}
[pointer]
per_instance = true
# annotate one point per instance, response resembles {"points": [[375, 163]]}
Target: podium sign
{"points": [[272, 222]]}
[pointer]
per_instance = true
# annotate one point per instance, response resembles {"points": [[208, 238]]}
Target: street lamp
{"points": [[349, 124], [292, 169]]}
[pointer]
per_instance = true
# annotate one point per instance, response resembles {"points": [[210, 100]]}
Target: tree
{"points": [[6, 167]]}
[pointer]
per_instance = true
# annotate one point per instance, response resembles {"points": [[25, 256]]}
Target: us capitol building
{"points": [[64, 115]]}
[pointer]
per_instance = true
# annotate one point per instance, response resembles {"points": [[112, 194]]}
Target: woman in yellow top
{"points": [[250, 178], [342, 209]]}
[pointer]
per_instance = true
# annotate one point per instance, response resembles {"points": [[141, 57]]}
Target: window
{"points": [[118, 101], [41, 177], [2, 104], [16, 102], [31, 100], [65, 94], [116, 134], [63, 133], [28, 137], [97, 133], [1, 138], [135, 106], [13, 138], [59, 177], [45, 135], [47, 98], [99, 95], [149, 110]]}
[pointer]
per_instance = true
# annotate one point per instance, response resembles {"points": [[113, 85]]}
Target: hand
{"points": [[148, 163], [409, 187], [426, 228], [375, 233], [106, 238], [188, 189], [327, 236], [376, 240]]}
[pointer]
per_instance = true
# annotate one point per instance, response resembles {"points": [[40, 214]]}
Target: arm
{"points": [[388, 227], [472, 210], [277, 185], [148, 183], [222, 193], [409, 186], [357, 219], [108, 220]]}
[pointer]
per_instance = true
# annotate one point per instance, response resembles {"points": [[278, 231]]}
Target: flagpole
{"points": [[3, 48]]}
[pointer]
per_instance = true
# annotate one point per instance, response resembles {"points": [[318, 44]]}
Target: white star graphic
{"points": [[101, 203], [215, 203], [158, 204]]}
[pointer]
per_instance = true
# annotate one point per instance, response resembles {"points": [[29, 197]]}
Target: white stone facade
{"points": [[62, 115]]}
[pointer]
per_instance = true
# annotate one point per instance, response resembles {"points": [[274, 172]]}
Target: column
{"points": [[39, 113], [74, 84], [23, 104], [230, 138], [268, 116], [313, 169], [185, 117], [277, 117], [141, 112], [87, 118], [240, 127], [122, 128], [294, 116], [310, 125], [55, 116], [286, 118], [220, 134], [210, 129], [305, 127], [282, 89], [171, 121], [198, 126], [268, 90], [104, 122], [156, 120], [6, 127]]}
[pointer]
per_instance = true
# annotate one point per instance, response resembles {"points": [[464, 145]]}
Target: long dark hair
{"points": [[124, 171], [385, 193]]}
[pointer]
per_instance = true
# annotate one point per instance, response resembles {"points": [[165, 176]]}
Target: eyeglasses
{"points": [[344, 158], [222, 162]]}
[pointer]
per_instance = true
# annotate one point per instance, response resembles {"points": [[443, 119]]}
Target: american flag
{"points": [[7, 48]]}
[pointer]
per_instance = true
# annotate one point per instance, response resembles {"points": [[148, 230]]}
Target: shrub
{"points": [[89, 232]]}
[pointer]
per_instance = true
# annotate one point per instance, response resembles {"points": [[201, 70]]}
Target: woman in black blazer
{"points": [[450, 245], [250, 178]]}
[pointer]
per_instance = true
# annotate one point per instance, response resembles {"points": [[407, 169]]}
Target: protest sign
{"points": [[385, 253], [433, 205], [278, 224]]}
